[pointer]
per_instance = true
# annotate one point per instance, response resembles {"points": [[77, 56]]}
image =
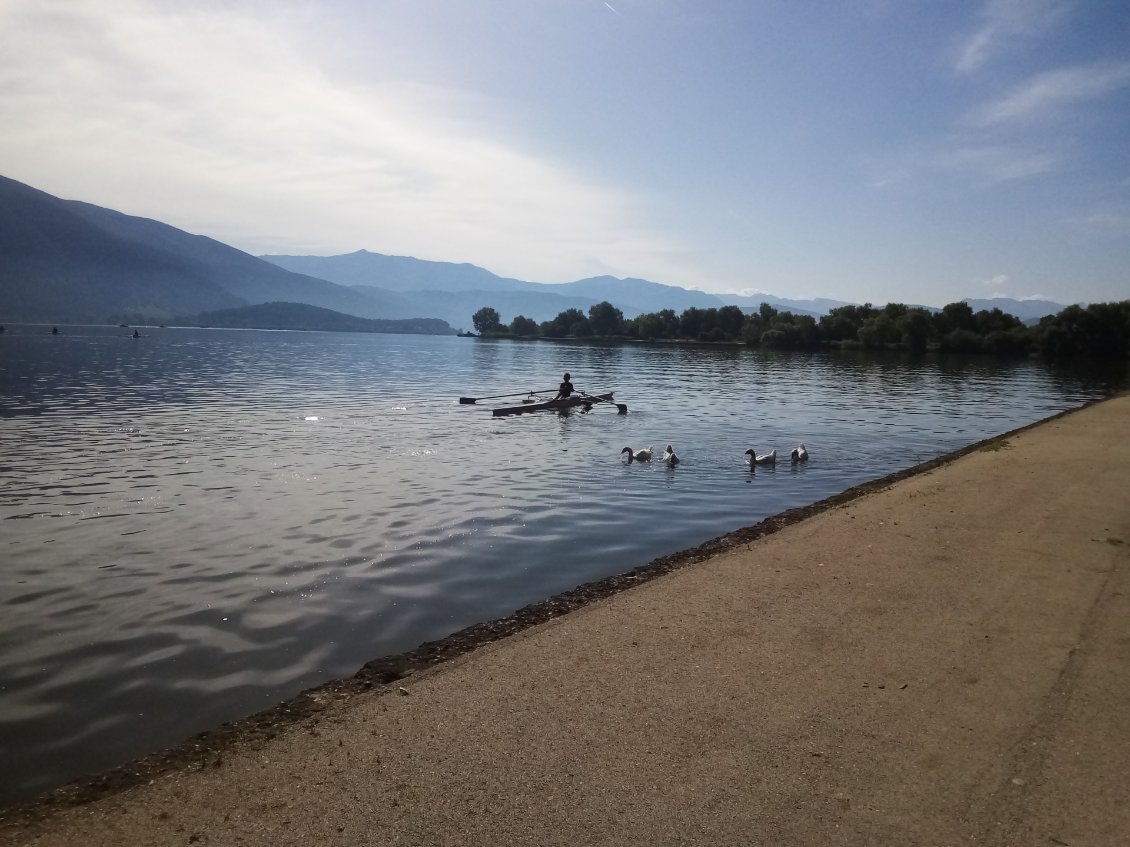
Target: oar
{"points": [[622, 407], [466, 400]]}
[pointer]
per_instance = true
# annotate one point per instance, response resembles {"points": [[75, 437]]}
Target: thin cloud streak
{"points": [[1047, 94], [980, 165], [995, 163], [1004, 23]]}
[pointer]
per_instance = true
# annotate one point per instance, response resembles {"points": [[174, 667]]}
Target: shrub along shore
{"points": [[1099, 330]]}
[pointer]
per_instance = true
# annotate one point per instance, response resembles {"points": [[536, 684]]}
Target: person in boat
{"points": [[136, 334], [566, 389]]}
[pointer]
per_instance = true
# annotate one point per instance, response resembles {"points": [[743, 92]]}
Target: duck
{"points": [[669, 457], [764, 459], [799, 454], [637, 455]]}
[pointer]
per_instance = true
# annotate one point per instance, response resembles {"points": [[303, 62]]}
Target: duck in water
{"points": [[643, 455]]}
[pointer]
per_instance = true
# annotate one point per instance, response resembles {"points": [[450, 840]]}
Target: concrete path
{"points": [[944, 662]]}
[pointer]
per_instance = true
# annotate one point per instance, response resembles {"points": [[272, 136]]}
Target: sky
{"points": [[861, 150]]}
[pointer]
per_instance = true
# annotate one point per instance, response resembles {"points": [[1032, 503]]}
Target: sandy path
{"points": [[946, 661]]}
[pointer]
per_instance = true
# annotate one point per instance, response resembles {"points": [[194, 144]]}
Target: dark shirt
{"points": [[566, 389]]}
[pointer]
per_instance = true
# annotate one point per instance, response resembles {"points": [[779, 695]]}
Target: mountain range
{"points": [[67, 261], [466, 288]]}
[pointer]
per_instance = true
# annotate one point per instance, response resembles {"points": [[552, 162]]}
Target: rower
{"points": [[566, 389]]}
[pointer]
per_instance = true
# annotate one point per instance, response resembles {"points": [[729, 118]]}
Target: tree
{"points": [[1101, 330], [692, 322], [768, 327], [878, 331], [894, 311], [605, 319], [731, 319], [914, 327], [1009, 342], [961, 341], [955, 316], [521, 325], [844, 322], [754, 332], [486, 320], [670, 323], [994, 320], [563, 324], [581, 328], [838, 327], [787, 330], [649, 326]]}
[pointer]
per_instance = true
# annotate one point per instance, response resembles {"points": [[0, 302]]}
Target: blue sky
{"points": [[864, 150]]}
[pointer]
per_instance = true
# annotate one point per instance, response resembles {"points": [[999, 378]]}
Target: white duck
{"points": [[637, 455], [799, 454], [769, 458], [669, 457]]}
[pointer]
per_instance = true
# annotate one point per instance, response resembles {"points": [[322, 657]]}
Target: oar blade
{"points": [[466, 400]]}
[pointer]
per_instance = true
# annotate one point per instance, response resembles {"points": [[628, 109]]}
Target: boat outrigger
{"points": [[560, 404], [532, 403]]}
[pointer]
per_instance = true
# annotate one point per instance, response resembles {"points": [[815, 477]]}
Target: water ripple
{"points": [[200, 525]]}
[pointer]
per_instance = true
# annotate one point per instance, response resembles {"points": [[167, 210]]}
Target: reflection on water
{"points": [[199, 523]]}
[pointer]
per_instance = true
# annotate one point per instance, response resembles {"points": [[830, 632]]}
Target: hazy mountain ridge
{"points": [[395, 273], [511, 297], [302, 316], [453, 292], [457, 307], [66, 260]]}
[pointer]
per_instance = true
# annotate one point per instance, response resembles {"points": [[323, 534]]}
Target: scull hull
{"points": [[552, 405]]}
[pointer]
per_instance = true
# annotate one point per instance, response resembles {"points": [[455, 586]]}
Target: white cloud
{"points": [[1046, 94], [997, 281], [1004, 295], [1004, 23], [1000, 285], [210, 119]]}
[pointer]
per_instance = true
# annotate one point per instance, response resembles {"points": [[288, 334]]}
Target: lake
{"points": [[198, 523]]}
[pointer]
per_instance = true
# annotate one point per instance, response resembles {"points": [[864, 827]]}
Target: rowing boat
{"points": [[555, 405]]}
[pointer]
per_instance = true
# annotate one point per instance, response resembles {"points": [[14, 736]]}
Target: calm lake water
{"points": [[197, 524]]}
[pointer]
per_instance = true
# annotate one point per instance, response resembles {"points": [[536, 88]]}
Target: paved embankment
{"points": [[945, 661]]}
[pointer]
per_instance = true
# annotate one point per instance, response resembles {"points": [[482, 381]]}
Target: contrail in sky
{"points": [[609, 5]]}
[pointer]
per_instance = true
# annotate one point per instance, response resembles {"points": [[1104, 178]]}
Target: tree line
{"points": [[1100, 330]]}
